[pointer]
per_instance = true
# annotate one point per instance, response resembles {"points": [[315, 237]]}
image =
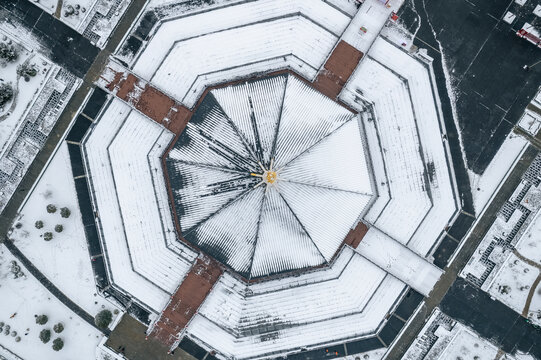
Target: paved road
{"points": [[462, 257], [90, 75], [491, 319]]}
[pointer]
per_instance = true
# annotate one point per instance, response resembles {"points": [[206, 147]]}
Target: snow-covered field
{"points": [[512, 284], [26, 297], [369, 355], [64, 260], [520, 276]]}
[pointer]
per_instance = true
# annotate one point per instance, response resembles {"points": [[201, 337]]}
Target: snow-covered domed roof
{"points": [[269, 176]]}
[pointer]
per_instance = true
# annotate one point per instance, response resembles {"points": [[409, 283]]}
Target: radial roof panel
{"points": [[307, 117], [269, 176], [282, 241]]}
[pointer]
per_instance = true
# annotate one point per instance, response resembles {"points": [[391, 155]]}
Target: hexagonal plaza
{"points": [[272, 184], [267, 165]]}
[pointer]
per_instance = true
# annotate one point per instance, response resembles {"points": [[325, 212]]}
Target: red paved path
{"points": [[187, 299], [355, 236], [146, 98], [337, 70]]}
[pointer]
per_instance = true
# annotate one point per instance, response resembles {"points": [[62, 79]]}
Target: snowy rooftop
{"points": [[269, 176]]}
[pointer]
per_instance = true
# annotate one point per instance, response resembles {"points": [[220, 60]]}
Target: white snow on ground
{"points": [[512, 283], [64, 260], [369, 355], [530, 243], [466, 344], [485, 185], [504, 275], [443, 338], [422, 193], [265, 34], [399, 261], [129, 215], [48, 6], [79, 15], [476, 266], [26, 297], [529, 246], [11, 115], [530, 122], [280, 315], [31, 115]]}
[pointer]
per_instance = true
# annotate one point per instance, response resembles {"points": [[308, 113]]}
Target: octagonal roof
{"points": [[269, 176]]}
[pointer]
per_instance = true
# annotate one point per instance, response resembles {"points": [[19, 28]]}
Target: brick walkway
{"points": [[355, 236], [145, 98], [337, 70], [184, 304]]}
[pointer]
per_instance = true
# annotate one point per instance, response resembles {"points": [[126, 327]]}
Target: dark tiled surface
{"points": [[79, 128], [95, 103], [444, 252]]}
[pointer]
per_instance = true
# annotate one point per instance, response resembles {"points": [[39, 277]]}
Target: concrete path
{"points": [[399, 261]]}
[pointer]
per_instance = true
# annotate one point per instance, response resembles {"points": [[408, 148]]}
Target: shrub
{"points": [[45, 335], [51, 209], [6, 93], [58, 344], [8, 52], [39, 224], [58, 328], [48, 236], [27, 71], [58, 228], [42, 319], [103, 319], [65, 212]]}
